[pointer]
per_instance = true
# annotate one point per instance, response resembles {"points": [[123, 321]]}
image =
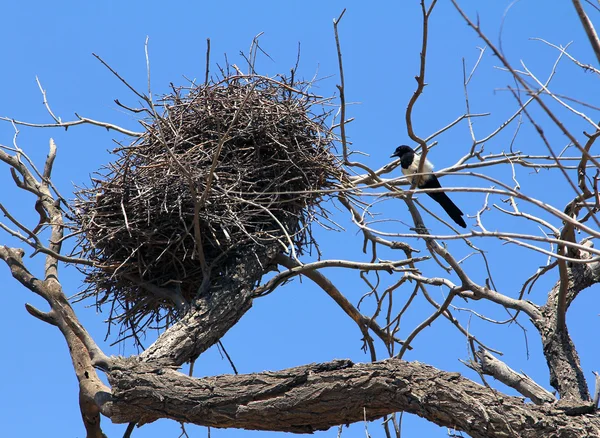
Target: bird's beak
{"points": [[394, 155]]}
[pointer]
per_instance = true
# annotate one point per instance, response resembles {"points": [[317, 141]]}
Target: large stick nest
{"points": [[242, 162]]}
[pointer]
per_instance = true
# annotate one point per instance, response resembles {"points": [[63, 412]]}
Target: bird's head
{"points": [[401, 150]]}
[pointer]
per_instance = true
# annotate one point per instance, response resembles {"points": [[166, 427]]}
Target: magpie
{"points": [[410, 160]]}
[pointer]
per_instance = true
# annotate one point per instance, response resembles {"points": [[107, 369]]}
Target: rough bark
{"points": [[561, 355], [488, 364], [318, 396], [229, 297]]}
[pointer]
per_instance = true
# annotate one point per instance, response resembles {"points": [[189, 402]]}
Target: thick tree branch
{"points": [[213, 313], [566, 374], [318, 396]]}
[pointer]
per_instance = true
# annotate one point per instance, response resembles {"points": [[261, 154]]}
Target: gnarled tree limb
{"points": [[318, 396], [213, 313], [566, 374]]}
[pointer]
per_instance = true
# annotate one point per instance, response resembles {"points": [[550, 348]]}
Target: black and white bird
{"points": [[410, 161]]}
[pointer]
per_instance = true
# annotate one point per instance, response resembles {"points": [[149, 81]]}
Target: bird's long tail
{"points": [[441, 198], [450, 207]]}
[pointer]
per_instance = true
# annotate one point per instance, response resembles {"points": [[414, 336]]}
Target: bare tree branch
{"points": [[144, 393], [488, 364], [589, 28], [362, 322]]}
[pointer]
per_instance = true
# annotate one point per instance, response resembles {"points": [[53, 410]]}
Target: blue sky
{"points": [[297, 324]]}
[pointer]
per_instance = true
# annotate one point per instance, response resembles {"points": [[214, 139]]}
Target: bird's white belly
{"points": [[414, 168]]}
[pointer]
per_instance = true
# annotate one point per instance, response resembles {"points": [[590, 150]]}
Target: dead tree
{"points": [[221, 187]]}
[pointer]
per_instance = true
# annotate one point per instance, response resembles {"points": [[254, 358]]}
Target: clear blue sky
{"points": [[298, 324]]}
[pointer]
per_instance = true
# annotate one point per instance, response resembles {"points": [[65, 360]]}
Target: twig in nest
{"points": [[240, 163]]}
